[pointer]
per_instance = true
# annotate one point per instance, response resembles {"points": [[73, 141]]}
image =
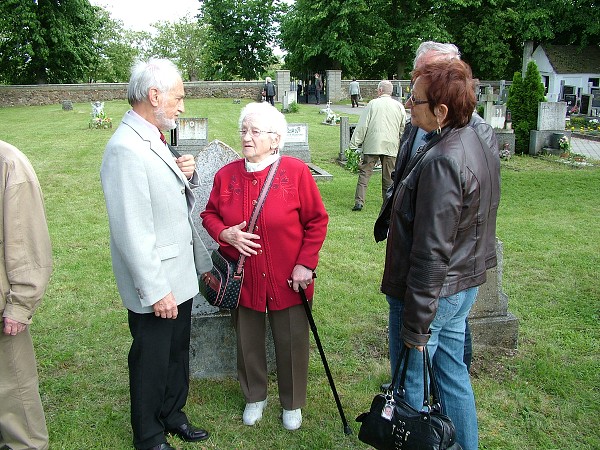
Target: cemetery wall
{"points": [[52, 94]]}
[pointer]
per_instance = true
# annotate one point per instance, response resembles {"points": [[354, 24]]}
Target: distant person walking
{"points": [[378, 131], [269, 91], [318, 88], [354, 91]]}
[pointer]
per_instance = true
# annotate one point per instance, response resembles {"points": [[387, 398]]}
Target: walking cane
{"points": [[313, 327]]}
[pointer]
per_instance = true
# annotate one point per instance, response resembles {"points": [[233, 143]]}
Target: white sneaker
{"points": [[292, 419], [253, 412]]}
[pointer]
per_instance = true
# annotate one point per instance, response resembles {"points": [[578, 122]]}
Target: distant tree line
{"points": [[71, 41]]}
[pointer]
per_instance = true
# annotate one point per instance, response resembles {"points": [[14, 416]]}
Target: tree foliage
{"points": [[524, 97], [185, 43], [241, 36], [116, 48], [48, 41], [378, 38]]}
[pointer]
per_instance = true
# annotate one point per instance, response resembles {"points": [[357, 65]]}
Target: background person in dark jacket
{"points": [[437, 245], [269, 91]]}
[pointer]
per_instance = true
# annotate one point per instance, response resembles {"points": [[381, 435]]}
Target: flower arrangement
{"points": [[564, 144], [332, 118], [505, 152], [100, 121]]}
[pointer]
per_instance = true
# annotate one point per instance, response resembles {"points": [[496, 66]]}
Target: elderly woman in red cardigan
{"points": [[282, 253]]}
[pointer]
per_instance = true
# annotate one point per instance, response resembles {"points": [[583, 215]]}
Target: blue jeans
{"points": [[446, 348]]}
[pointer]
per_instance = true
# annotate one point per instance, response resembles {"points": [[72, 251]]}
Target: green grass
{"points": [[544, 396]]}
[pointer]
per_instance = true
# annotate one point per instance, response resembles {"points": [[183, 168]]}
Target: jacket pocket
{"points": [[168, 251]]}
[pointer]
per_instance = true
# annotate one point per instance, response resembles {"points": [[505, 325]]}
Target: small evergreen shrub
{"points": [[524, 97]]}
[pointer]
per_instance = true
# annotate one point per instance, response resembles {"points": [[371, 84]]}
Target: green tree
{"points": [[184, 43], [241, 36], [48, 41], [524, 97], [116, 48], [335, 34]]}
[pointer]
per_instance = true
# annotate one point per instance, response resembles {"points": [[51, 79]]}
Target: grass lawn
{"points": [[543, 396]]}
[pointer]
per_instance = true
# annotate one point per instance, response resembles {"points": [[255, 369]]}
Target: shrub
{"points": [[524, 97], [352, 159]]}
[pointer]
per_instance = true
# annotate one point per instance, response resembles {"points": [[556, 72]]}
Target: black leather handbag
{"points": [[393, 424]]}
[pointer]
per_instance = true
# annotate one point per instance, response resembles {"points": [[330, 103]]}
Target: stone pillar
{"points": [[491, 323], [282, 80], [334, 85]]}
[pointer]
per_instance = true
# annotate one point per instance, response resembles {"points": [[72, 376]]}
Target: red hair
{"points": [[450, 83]]}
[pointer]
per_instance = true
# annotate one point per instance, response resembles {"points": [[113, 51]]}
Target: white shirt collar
{"points": [[257, 167]]}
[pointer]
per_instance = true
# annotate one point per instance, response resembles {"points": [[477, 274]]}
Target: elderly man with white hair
{"points": [[378, 132]]}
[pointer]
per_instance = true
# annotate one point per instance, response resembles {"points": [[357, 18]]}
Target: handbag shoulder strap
{"points": [[257, 208], [429, 385]]}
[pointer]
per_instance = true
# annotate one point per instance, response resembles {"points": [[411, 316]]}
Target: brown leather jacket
{"points": [[442, 221]]}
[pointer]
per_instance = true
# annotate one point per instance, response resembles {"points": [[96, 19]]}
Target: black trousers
{"points": [[158, 374]]}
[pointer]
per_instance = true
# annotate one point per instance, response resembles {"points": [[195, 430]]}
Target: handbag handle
{"points": [[257, 208], [428, 387]]}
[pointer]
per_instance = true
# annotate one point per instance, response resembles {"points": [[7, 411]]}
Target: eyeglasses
{"points": [[255, 132], [416, 102]]}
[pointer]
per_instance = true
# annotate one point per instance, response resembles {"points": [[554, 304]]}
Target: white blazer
{"points": [[154, 246]]}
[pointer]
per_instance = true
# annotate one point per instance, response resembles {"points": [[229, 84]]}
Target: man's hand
{"points": [[187, 164], [166, 307], [12, 327]]}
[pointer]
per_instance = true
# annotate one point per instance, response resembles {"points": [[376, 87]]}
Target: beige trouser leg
{"points": [[22, 421], [388, 164]]}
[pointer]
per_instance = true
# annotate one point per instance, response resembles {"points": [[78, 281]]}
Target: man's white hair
{"points": [[443, 50], [154, 73], [386, 87]]}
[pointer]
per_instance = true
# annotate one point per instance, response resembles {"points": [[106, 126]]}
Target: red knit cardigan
{"points": [[292, 227]]}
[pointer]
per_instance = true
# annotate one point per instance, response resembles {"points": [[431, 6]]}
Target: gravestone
{"points": [[550, 121], [213, 343], [586, 104], [344, 138], [491, 323], [190, 135], [296, 144], [346, 131], [296, 141], [489, 99], [67, 105]]}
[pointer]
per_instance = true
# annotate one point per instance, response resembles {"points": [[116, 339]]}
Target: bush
{"points": [[292, 108], [352, 159], [524, 97]]}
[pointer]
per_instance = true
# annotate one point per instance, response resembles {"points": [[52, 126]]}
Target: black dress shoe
{"points": [[163, 446], [189, 433], [357, 207]]}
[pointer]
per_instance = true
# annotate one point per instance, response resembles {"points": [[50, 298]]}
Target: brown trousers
{"points": [[291, 339], [22, 421]]}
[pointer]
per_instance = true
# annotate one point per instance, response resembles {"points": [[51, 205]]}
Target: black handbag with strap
{"points": [[222, 286], [392, 423]]}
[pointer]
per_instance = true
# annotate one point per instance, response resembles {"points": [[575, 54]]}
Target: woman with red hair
{"points": [[444, 201]]}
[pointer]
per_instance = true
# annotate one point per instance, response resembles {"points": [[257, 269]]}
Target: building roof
{"points": [[573, 59]]}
